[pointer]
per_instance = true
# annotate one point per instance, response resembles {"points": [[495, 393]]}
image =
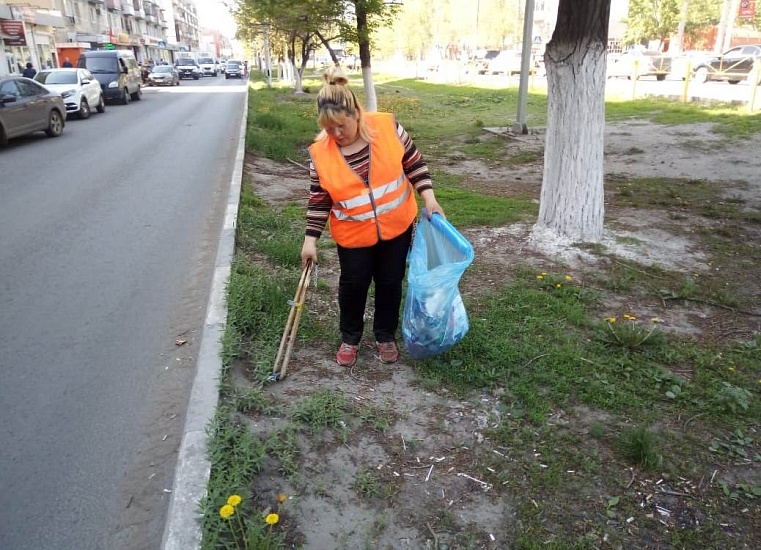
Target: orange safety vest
{"points": [[365, 213]]}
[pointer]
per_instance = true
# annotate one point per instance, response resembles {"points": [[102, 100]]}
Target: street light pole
{"points": [[521, 126]]}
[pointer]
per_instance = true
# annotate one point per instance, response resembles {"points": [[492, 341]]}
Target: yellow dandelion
{"points": [[610, 319], [544, 273], [272, 519], [282, 497], [540, 277], [234, 500], [227, 511], [568, 278], [629, 317], [731, 368], [656, 320], [558, 285]]}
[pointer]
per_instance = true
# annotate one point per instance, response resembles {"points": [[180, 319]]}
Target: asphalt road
{"points": [[107, 241]]}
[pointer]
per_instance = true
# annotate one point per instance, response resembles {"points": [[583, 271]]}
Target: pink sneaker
{"points": [[387, 352], [347, 355]]}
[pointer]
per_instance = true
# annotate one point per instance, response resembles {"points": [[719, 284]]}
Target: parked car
{"points": [[117, 71], [633, 64], [187, 68], [234, 69], [734, 65], [509, 62], [482, 58], [164, 75], [27, 107], [80, 90]]}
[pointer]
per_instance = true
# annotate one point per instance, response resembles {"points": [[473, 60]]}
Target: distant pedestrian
{"points": [[67, 63], [245, 68], [29, 72]]}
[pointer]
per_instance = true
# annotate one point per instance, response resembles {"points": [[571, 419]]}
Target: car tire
{"points": [[101, 106], [137, 95], [3, 136], [125, 97], [701, 74], [195, 77], [660, 77], [55, 124], [84, 109], [733, 81]]}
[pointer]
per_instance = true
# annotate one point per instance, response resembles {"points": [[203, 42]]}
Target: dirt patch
{"points": [[420, 483]]}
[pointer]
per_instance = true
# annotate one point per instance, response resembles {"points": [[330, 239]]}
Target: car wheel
{"points": [[55, 124], [138, 94], [3, 137], [195, 77], [660, 77], [733, 81], [84, 109], [701, 75], [101, 107], [125, 97]]}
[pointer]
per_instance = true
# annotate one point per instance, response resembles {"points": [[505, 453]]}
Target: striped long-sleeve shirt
{"points": [[320, 203]]}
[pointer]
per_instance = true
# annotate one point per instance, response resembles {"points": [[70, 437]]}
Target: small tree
{"points": [[571, 201]]}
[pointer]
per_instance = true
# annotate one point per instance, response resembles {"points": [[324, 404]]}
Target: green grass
{"points": [[542, 342]]}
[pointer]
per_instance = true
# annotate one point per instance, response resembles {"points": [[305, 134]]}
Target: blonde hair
{"points": [[336, 100]]}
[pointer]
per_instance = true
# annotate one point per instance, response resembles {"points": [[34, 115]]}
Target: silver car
{"points": [[164, 75], [80, 90], [27, 107]]}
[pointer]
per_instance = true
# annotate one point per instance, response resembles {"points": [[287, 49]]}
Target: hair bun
{"points": [[335, 76]]}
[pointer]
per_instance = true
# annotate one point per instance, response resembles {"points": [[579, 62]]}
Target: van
{"points": [[117, 71]]}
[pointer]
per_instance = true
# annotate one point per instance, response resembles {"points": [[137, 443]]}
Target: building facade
{"points": [[47, 33]]}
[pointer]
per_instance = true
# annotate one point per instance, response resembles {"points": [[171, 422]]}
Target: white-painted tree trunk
{"points": [[572, 196], [371, 100]]}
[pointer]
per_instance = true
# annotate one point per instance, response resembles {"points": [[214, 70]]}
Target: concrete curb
{"points": [[182, 530]]}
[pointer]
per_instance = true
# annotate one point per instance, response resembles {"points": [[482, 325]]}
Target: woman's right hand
{"points": [[309, 251]]}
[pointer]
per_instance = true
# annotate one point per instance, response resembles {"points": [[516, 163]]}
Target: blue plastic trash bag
{"points": [[434, 317]]}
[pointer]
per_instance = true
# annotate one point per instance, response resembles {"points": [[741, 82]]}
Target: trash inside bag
{"points": [[434, 316]]}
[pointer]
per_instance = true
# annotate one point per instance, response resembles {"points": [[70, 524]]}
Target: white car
{"points": [[81, 92]]}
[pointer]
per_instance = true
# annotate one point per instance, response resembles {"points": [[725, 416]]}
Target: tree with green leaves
{"points": [[304, 24], [662, 19]]}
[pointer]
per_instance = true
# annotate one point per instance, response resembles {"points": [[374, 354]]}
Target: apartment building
{"points": [[46, 33]]}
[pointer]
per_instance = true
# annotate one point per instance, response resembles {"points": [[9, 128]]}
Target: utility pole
{"points": [[521, 126]]}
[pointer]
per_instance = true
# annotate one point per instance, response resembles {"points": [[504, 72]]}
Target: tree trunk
{"points": [[572, 196], [675, 47], [734, 9], [721, 29], [371, 100]]}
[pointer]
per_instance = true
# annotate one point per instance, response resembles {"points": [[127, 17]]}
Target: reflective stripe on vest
{"points": [[364, 199]]}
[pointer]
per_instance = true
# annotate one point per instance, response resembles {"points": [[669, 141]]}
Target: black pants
{"points": [[384, 264]]}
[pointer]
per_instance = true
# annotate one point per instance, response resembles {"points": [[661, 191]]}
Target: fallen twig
{"points": [[635, 269], [297, 164], [435, 538]]}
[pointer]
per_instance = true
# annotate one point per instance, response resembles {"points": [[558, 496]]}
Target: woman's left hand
{"points": [[433, 207]]}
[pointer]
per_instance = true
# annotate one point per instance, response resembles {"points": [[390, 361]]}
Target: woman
{"points": [[364, 171]]}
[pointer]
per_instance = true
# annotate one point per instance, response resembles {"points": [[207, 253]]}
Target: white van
{"points": [[208, 65]]}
